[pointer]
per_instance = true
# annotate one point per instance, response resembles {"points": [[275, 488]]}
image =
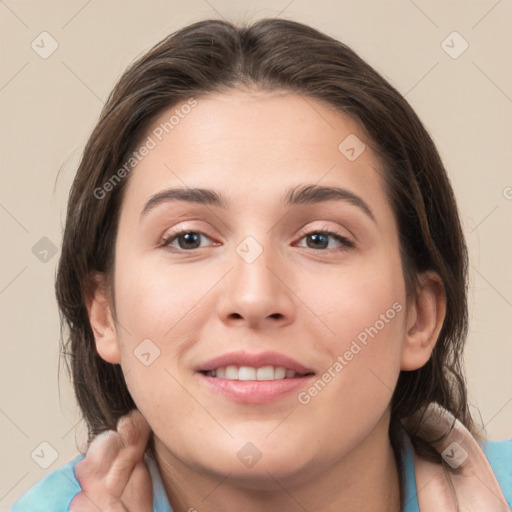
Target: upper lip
{"points": [[255, 360]]}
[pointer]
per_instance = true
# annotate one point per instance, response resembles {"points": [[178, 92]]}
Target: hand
{"points": [[113, 474]]}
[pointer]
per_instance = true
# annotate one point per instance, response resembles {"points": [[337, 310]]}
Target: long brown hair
{"points": [[271, 54]]}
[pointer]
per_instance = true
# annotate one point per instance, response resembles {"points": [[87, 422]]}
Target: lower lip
{"points": [[255, 391]]}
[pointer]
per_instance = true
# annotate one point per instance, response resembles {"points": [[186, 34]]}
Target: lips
{"points": [[247, 378], [244, 359]]}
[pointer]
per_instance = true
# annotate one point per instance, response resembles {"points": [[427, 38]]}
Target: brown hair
{"points": [[271, 54]]}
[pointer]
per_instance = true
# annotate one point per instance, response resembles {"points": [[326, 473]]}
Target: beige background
{"points": [[49, 106]]}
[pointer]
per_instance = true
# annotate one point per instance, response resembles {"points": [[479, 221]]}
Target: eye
{"points": [[320, 240], [186, 239]]}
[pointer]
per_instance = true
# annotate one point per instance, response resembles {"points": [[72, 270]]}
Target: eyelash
{"points": [[346, 243]]}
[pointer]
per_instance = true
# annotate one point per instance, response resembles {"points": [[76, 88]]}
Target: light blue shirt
{"points": [[56, 491]]}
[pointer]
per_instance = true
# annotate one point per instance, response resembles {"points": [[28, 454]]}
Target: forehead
{"points": [[254, 145]]}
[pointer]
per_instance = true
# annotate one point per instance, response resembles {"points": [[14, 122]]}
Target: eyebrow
{"points": [[305, 194]]}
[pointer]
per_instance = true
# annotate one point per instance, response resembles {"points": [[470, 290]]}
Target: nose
{"points": [[257, 293]]}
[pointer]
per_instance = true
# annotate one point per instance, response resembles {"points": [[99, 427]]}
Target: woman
{"points": [[263, 256]]}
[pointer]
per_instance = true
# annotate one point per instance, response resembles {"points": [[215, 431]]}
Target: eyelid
{"points": [[185, 226], [328, 229]]}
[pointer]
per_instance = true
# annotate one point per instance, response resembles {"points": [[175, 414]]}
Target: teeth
{"points": [[265, 373], [246, 373], [231, 372], [249, 373], [280, 373]]}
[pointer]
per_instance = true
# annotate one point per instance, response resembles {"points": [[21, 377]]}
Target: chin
{"points": [[251, 458], [271, 467]]}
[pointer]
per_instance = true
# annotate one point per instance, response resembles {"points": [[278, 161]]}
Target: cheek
{"points": [[370, 313], [363, 365], [371, 319], [159, 314], [156, 303]]}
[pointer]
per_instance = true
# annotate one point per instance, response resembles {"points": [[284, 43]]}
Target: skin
{"points": [[113, 475], [310, 303]]}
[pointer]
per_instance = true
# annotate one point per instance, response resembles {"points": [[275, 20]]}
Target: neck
{"points": [[365, 479]]}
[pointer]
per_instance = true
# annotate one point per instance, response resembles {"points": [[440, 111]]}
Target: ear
{"points": [[425, 317], [100, 318]]}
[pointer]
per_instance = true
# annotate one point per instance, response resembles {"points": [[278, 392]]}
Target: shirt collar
{"points": [[409, 478], [160, 501]]}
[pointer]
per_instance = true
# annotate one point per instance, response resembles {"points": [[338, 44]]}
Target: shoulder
{"points": [[54, 492], [499, 455]]}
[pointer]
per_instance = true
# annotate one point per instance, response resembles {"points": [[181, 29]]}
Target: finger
{"points": [[105, 448], [138, 494], [131, 429], [134, 429], [99, 458], [112, 456], [135, 432]]}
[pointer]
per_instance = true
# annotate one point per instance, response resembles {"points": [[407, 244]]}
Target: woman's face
{"points": [[258, 283]]}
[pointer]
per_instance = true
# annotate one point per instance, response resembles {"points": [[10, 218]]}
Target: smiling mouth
{"points": [[248, 373]]}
